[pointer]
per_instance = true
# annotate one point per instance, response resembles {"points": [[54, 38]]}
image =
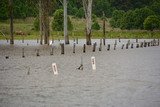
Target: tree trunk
{"points": [[40, 22], [45, 20], [11, 21], [104, 25], [87, 6], [66, 37]]}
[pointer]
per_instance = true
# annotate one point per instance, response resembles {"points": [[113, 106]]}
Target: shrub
{"points": [[96, 26], [57, 23], [80, 13], [151, 22]]}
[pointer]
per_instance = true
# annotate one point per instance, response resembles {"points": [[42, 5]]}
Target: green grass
{"points": [[26, 26]]}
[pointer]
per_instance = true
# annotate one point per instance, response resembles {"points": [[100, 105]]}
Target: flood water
{"points": [[123, 78]]}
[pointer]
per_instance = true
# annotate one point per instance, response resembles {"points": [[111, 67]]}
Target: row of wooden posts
{"points": [[141, 45]]}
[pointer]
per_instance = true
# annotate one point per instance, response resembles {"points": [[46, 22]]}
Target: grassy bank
{"points": [[26, 26]]}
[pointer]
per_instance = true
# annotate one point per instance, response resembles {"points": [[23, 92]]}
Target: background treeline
{"points": [[124, 14], [147, 17]]}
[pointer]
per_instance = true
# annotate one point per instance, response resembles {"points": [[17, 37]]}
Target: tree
{"points": [[44, 19], [139, 16], [151, 22], [100, 6], [11, 21], [127, 21], [66, 37], [116, 18], [96, 26], [87, 6], [155, 7], [57, 23], [80, 13], [4, 9]]}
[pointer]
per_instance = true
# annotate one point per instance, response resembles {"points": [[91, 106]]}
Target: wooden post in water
{"points": [[119, 40], [108, 47], [104, 41], [158, 42], [62, 48], [74, 46], [144, 43], [23, 53], [129, 42], [136, 40], [148, 44], [137, 46], [154, 42], [77, 40], [94, 47], [51, 53], [132, 46], [115, 42], [127, 46], [122, 46], [100, 47], [37, 52], [84, 48], [114, 46]]}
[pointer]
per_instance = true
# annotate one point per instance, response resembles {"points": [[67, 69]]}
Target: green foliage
{"points": [[132, 19], [100, 6], [127, 5], [155, 7], [36, 24], [152, 22], [127, 21], [140, 15], [80, 13], [94, 18], [57, 23], [96, 26], [3, 9], [116, 18]]}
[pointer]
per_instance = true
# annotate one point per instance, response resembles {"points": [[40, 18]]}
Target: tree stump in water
{"points": [[122, 46], [37, 53], [132, 46], [23, 53], [84, 48], [74, 46], [137, 46], [62, 48], [94, 47], [114, 46], [108, 47]]}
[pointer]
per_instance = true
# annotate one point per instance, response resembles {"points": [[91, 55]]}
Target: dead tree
{"points": [[87, 6], [11, 21]]}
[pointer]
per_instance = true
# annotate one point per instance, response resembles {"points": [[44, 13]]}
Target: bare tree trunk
{"points": [[87, 6], [11, 21], [104, 25], [40, 22], [45, 20], [66, 37]]}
